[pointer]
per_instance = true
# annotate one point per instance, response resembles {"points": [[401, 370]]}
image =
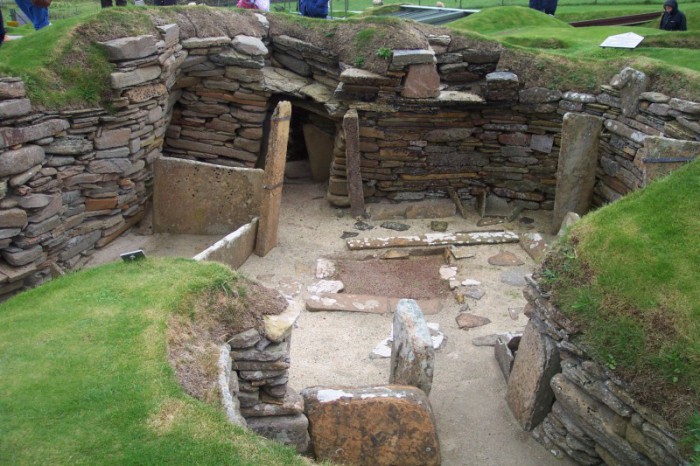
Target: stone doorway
{"points": [[310, 146]]}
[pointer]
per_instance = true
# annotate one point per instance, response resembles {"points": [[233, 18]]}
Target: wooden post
{"points": [[274, 179], [351, 127]]}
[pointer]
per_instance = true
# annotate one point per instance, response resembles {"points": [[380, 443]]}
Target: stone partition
{"points": [[202, 199], [575, 407]]}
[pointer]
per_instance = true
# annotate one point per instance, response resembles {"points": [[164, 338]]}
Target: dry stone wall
{"points": [[439, 118], [575, 407]]}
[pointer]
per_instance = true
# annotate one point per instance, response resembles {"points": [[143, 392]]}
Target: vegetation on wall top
{"points": [[627, 276]]}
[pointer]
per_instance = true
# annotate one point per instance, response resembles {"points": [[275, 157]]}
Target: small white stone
{"points": [[471, 282], [447, 272]]}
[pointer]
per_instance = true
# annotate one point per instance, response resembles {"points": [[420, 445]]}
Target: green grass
{"points": [[84, 377], [61, 65], [627, 274]]}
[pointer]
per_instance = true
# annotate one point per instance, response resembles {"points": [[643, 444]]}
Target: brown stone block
{"points": [[100, 204], [380, 426]]}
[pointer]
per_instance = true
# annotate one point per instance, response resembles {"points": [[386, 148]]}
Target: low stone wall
{"points": [[261, 362], [575, 407]]}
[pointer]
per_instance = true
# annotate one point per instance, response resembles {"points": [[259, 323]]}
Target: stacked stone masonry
{"points": [[593, 419], [72, 181]]}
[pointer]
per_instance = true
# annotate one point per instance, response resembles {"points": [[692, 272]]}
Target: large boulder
{"points": [[380, 426]]}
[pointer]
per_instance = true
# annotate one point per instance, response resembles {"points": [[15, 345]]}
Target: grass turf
{"points": [[627, 275], [84, 376]]}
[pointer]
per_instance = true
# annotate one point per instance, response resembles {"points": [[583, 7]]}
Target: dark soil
{"points": [[415, 277]]}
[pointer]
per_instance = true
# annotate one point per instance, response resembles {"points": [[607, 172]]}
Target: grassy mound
{"points": [[498, 20], [627, 275], [85, 378]]}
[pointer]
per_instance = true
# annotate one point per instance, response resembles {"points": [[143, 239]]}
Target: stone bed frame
{"points": [[73, 181]]}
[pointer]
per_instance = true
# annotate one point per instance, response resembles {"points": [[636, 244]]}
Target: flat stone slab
{"points": [[505, 259], [412, 352], [434, 239], [461, 252], [364, 303]]}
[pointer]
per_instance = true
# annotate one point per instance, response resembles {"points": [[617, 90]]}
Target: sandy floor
{"points": [[328, 348], [468, 395]]}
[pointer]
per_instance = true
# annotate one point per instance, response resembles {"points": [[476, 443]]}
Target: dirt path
{"points": [[468, 395]]}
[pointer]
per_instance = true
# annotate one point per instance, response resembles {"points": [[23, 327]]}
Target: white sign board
{"points": [[628, 40]]}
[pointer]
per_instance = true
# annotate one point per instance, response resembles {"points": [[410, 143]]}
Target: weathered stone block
{"points": [[113, 138], [401, 58], [19, 257], [279, 327], [244, 339], [14, 108], [290, 405], [121, 80], [412, 352], [129, 48], [10, 136], [17, 161], [379, 426], [529, 395], [11, 89], [69, 146], [422, 82], [289, 430], [249, 45], [434, 208], [577, 164], [13, 218], [205, 42]]}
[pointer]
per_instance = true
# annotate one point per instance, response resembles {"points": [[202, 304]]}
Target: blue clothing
{"points": [[545, 6], [37, 15], [314, 8], [2, 29]]}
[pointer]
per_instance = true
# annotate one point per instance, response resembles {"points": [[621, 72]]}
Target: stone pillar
{"points": [[274, 178], [351, 127], [578, 159], [412, 353]]}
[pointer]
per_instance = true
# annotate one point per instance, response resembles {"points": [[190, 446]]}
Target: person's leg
{"points": [[41, 17], [2, 28], [106, 3], [121, 2], [38, 16]]}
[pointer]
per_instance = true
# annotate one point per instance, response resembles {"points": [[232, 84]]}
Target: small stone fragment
{"points": [[489, 221], [325, 268], [395, 226], [437, 225], [447, 272], [363, 226], [326, 286], [467, 320], [475, 293], [514, 312], [348, 234], [471, 282]]}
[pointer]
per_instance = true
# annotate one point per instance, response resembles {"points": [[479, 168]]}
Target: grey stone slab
{"points": [[129, 48], [13, 162], [289, 430], [14, 108], [578, 160], [412, 352]]}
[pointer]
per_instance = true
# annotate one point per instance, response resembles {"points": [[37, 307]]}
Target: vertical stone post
{"points": [[351, 127], [412, 352], [578, 159], [274, 178]]}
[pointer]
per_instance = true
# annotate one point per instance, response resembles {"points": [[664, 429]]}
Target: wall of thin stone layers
{"points": [[72, 181], [593, 419]]}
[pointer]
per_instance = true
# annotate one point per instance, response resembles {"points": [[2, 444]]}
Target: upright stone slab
{"points": [[412, 353], [578, 159], [529, 395], [351, 128], [422, 82], [274, 179], [319, 145], [634, 83], [378, 426]]}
